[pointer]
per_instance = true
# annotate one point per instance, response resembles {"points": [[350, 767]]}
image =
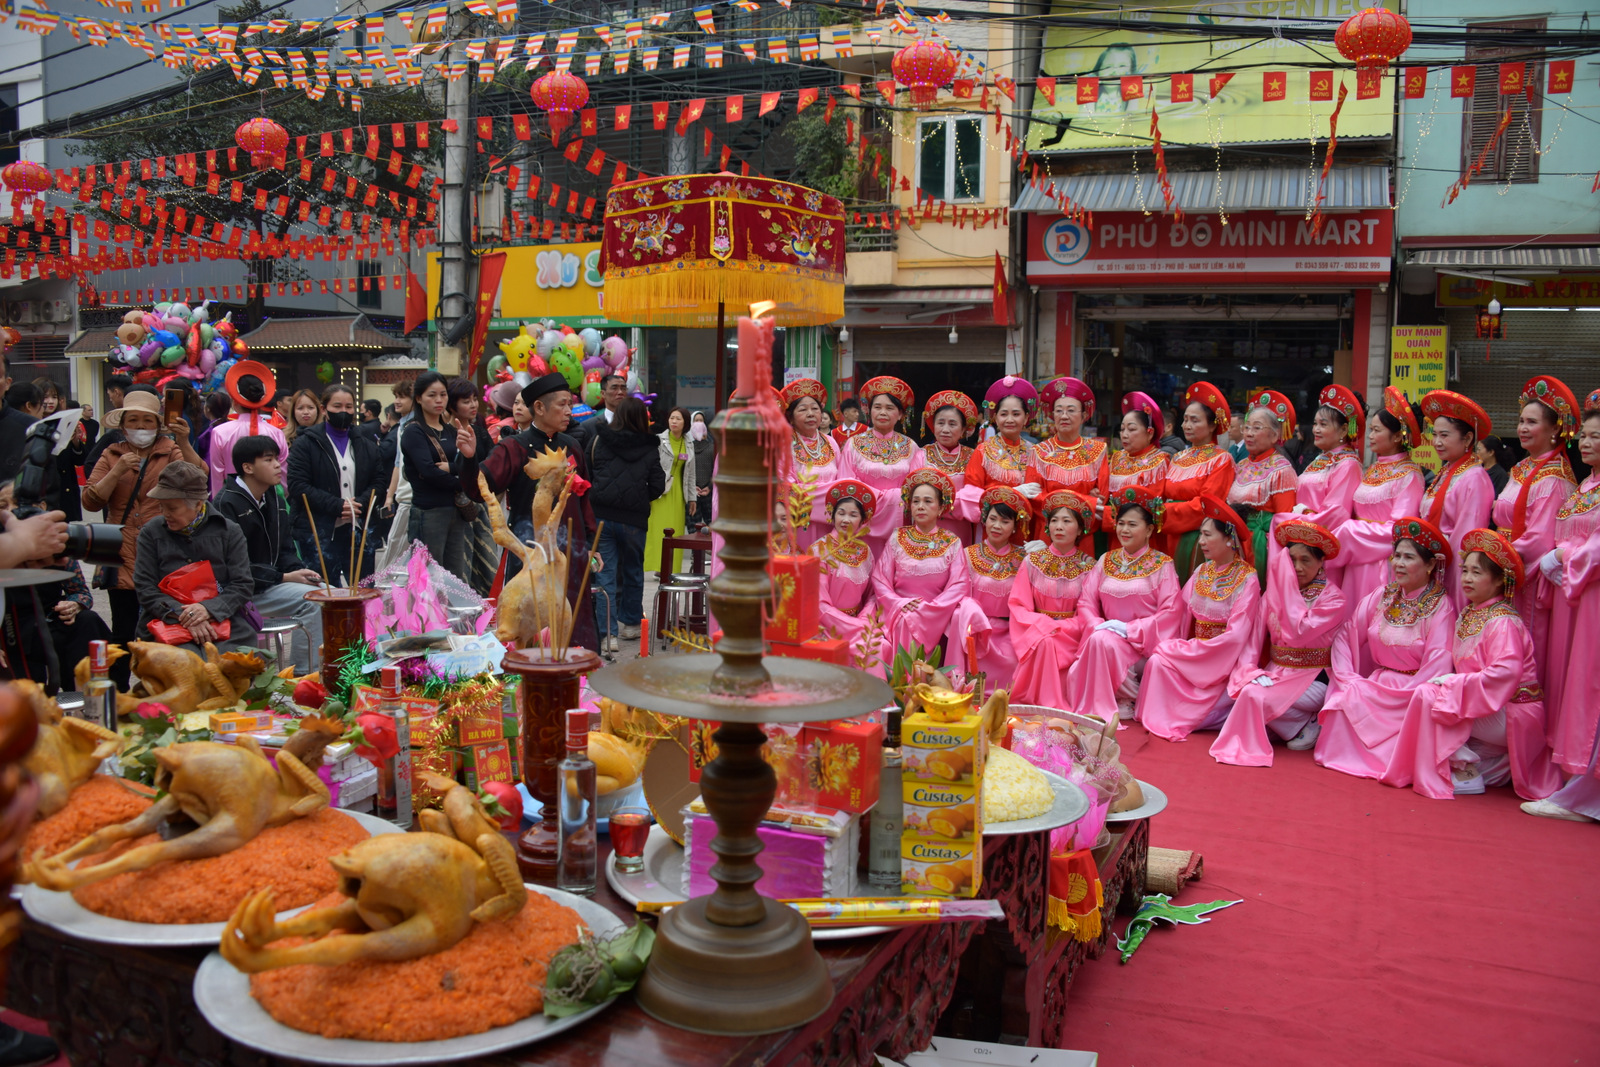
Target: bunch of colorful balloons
{"points": [[582, 357], [177, 339]]}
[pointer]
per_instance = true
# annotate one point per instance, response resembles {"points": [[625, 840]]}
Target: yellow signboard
{"points": [[1238, 113], [1417, 358], [560, 282], [1557, 291]]}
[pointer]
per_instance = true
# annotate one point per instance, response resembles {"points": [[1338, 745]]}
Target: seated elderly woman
{"points": [[192, 532]]}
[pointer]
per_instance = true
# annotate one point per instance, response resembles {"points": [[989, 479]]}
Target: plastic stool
{"points": [[278, 638]]}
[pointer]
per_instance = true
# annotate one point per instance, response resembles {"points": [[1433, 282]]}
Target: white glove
{"points": [[1263, 681], [1116, 626], [1301, 509], [1550, 566], [1033, 546], [1030, 489], [1443, 678]]}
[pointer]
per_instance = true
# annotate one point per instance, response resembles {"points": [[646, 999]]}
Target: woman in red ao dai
{"points": [[1138, 461], [1003, 458], [1304, 610], [1128, 605], [1482, 723], [981, 627], [920, 578], [1397, 638], [1046, 628], [1185, 686]]}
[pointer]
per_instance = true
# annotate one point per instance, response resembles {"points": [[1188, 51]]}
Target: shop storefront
{"points": [[932, 339], [1265, 299]]}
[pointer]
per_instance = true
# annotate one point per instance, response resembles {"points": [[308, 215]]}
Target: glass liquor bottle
{"points": [[394, 776], [100, 702], [576, 784], [883, 856]]}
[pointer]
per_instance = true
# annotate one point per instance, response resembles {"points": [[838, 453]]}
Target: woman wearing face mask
{"points": [[815, 460], [1129, 606], [950, 416], [119, 487], [1538, 486], [705, 465], [979, 638], [1138, 461], [1065, 460], [919, 579], [671, 509], [1003, 458], [1460, 497], [1185, 685], [305, 412], [1396, 639], [1390, 488], [1265, 483], [1202, 469], [882, 457], [1483, 722], [1303, 612], [1046, 628], [1567, 580], [845, 592], [337, 472]]}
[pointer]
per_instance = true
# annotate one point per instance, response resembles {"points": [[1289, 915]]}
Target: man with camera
{"points": [[255, 501]]}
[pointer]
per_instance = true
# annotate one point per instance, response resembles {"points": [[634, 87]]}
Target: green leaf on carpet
{"points": [[1160, 906]]}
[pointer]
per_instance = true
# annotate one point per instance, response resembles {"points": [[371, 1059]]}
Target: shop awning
{"points": [[874, 297], [328, 333], [1266, 189], [1587, 256]]}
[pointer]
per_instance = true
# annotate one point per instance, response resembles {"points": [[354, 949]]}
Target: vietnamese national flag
{"points": [[1562, 72], [1002, 295], [1088, 90], [1274, 85], [1511, 78], [490, 268], [621, 116], [1182, 88], [770, 101], [1369, 83], [1416, 82], [735, 108], [1463, 81], [1322, 85]]}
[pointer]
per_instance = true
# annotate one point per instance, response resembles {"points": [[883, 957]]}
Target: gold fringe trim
{"points": [[689, 297], [1084, 927]]}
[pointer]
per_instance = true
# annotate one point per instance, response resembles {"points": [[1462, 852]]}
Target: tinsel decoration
{"points": [[353, 672], [459, 697]]}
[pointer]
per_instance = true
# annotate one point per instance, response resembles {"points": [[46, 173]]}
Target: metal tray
{"points": [[1155, 801], [1071, 805], [223, 996], [61, 911]]}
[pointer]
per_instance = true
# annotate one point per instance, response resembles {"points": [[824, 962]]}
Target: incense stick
{"points": [[583, 586], [355, 567], [327, 585]]}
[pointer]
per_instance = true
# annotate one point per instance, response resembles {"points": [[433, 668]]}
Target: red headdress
{"points": [[949, 398], [1305, 532], [1077, 503], [1553, 393], [1278, 405], [1423, 533], [1343, 400], [1243, 540], [1396, 404], [884, 385], [1004, 494], [1497, 547], [1444, 403], [930, 476], [1071, 387], [1146, 498], [249, 368], [1209, 396], [1010, 385], [850, 489], [801, 388]]}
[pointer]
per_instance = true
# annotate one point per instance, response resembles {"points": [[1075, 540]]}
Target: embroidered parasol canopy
{"points": [[677, 248]]}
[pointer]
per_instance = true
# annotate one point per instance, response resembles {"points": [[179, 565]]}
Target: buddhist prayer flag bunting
{"points": [[841, 41], [680, 56], [702, 15], [778, 50]]}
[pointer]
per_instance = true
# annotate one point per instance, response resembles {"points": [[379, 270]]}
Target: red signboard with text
{"points": [[1126, 249]]}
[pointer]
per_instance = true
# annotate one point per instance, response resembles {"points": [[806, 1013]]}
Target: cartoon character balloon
{"points": [[591, 388], [565, 362], [614, 352]]}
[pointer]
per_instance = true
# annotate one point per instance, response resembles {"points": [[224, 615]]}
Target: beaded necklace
{"points": [[1220, 583], [812, 455], [1400, 611], [950, 463], [885, 450], [991, 564], [1124, 568], [918, 545], [1477, 616]]}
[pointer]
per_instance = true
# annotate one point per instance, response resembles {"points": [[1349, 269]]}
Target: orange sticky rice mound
{"points": [[492, 977], [293, 859], [100, 802]]}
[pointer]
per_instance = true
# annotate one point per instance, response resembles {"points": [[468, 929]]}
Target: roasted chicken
{"points": [[536, 599], [179, 678], [409, 895]]}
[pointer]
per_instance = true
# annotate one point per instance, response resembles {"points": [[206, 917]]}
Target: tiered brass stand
{"points": [[735, 962]]}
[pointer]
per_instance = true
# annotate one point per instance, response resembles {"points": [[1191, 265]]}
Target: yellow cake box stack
{"points": [[941, 846]]}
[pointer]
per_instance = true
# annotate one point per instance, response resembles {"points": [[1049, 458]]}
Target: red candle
{"points": [[644, 637], [755, 344]]}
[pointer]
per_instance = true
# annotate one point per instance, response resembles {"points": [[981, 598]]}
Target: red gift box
{"points": [[846, 763], [827, 650], [795, 586], [486, 763]]}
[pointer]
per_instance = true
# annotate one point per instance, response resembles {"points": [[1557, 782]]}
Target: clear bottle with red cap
{"points": [[394, 775], [576, 789], [100, 700]]}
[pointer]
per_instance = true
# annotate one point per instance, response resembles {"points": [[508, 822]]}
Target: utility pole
{"points": [[455, 274]]}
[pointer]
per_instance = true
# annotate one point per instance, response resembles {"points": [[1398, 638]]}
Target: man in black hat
{"points": [[550, 401]]}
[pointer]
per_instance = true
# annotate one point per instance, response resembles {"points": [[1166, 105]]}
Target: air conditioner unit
{"points": [[55, 311], [23, 312]]}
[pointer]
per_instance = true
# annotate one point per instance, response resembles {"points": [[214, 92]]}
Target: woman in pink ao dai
{"points": [[846, 599], [920, 578], [979, 640], [1046, 628]]}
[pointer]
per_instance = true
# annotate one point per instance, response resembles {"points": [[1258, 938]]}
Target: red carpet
{"points": [[1377, 927]]}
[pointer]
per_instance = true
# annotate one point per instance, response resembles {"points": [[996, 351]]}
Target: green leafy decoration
{"points": [[1159, 906]]}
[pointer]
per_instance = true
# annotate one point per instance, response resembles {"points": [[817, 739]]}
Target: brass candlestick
{"points": [[735, 962]]}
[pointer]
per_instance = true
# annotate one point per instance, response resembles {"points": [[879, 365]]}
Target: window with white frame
{"points": [[950, 158]]}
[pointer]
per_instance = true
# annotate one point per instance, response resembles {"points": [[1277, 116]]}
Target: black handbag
{"points": [[466, 507]]}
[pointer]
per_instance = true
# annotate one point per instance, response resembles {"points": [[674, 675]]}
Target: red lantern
{"points": [[26, 177], [560, 93], [924, 67], [1373, 38], [265, 140]]}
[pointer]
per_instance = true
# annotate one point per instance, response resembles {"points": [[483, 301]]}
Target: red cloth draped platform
{"points": [[1377, 927]]}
